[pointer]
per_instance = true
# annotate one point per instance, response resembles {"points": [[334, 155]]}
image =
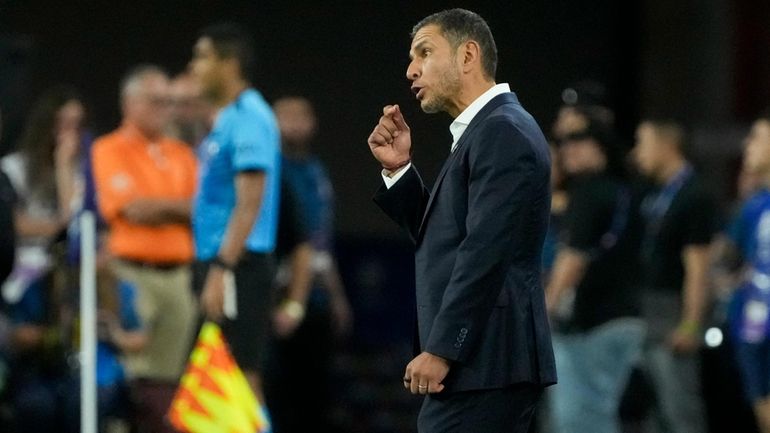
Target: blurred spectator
{"points": [[44, 385], [729, 247], [7, 233], [751, 303], [47, 177], [43, 373], [309, 180], [236, 208], [145, 182], [119, 330], [7, 254], [306, 327], [559, 201], [294, 255], [583, 103], [190, 113], [749, 182], [599, 340], [680, 220]]}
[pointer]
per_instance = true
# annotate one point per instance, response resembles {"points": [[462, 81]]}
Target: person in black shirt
{"points": [[7, 256], [7, 234], [598, 344], [680, 220]]}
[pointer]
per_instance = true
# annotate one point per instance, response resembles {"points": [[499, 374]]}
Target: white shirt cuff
{"points": [[393, 178]]}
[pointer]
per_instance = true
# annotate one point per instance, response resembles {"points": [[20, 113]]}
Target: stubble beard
{"points": [[449, 85]]}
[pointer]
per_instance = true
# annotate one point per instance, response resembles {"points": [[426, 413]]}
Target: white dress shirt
{"points": [[458, 126]]}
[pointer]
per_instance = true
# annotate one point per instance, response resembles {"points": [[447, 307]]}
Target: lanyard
{"points": [[618, 224], [655, 207]]}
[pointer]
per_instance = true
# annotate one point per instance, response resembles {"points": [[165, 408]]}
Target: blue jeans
{"points": [[594, 368], [675, 377]]}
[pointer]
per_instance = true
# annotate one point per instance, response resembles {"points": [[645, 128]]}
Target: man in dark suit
{"points": [[485, 348]]}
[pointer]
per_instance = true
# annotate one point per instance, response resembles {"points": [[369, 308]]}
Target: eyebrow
{"points": [[417, 48]]}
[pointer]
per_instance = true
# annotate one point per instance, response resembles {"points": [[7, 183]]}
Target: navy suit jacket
{"points": [[479, 236]]}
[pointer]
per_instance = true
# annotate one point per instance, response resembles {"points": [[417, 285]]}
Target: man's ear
{"points": [[470, 52]]}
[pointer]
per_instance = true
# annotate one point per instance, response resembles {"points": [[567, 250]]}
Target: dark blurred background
{"points": [[704, 62]]}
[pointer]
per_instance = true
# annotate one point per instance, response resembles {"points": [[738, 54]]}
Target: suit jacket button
{"points": [[458, 345]]}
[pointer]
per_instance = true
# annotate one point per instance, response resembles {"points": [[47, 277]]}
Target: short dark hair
{"points": [[672, 131], [461, 25], [765, 115], [607, 141], [230, 41]]}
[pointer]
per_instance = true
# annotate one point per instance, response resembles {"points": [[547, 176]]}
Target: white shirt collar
{"points": [[464, 119]]}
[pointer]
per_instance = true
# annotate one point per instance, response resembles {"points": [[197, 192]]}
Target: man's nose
{"points": [[413, 71]]}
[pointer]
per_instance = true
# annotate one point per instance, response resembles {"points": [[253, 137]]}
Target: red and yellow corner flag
{"points": [[214, 395]]}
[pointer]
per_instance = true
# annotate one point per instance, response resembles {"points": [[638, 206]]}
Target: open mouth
{"points": [[418, 91]]}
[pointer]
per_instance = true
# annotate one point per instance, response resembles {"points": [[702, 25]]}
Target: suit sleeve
{"points": [[505, 174], [405, 201]]}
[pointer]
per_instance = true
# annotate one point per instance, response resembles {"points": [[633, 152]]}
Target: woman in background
{"points": [[47, 177]]}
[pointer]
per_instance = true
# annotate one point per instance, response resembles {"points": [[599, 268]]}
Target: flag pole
{"points": [[88, 414]]}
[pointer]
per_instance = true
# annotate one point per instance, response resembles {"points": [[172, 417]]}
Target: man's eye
{"points": [[425, 52]]}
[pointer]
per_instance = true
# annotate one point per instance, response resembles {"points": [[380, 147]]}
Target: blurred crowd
{"points": [[638, 259], [643, 267], [147, 183]]}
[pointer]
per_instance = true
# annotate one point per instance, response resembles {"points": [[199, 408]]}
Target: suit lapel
{"points": [[491, 105], [433, 192]]}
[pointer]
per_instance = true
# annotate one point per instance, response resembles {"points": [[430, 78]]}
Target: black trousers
{"points": [[302, 362], [505, 410], [248, 334]]}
